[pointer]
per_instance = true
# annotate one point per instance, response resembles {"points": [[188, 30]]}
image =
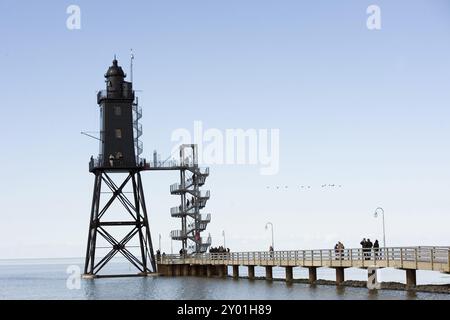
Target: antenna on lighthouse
{"points": [[131, 65], [89, 134]]}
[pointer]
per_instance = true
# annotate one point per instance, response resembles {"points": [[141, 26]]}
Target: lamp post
{"points": [[160, 242], [271, 227], [171, 244], [384, 228], [224, 242]]}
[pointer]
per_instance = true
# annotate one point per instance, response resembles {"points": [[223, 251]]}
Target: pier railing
{"points": [[426, 258]]}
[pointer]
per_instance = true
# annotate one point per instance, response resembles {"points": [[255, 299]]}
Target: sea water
{"points": [[53, 279]]}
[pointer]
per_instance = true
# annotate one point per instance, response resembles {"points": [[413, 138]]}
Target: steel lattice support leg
{"points": [[139, 226], [92, 234], [145, 222]]}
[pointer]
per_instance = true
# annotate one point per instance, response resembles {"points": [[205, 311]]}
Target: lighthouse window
{"points": [[118, 133], [117, 110]]}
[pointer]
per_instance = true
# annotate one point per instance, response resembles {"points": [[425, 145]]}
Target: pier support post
{"points": [[269, 273], [166, 270], [235, 272], [162, 269], [178, 270], [209, 270], [251, 272], [169, 270], [340, 278], [411, 278], [202, 270], [312, 274], [289, 274], [185, 270], [221, 271], [193, 270]]}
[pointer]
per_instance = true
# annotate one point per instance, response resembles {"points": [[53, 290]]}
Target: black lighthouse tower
{"points": [[118, 158], [116, 120]]}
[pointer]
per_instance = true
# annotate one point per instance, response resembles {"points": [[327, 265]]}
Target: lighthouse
{"points": [[117, 170]]}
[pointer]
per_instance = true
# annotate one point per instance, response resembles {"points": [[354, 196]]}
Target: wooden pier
{"points": [[409, 259]]}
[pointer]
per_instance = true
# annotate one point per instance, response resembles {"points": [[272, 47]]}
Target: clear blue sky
{"points": [[365, 109]]}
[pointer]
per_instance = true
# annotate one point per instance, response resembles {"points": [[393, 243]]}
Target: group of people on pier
{"points": [[339, 250], [367, 247], [219, 249], [158, 255], [219, 252]]}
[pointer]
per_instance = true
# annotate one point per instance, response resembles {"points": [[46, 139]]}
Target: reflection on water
{"points": [[412, 295], [48, 281]]}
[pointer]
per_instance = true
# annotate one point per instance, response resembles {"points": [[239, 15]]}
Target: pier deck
{"points": [[409, 259]]}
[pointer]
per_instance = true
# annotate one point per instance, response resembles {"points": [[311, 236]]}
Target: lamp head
{"points": [[376, 211]]}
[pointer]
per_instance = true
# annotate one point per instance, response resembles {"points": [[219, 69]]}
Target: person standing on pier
{"points": [[336, 250], [363, 244], [111, 160], [341, 250], [376, 249], [369, 249]]}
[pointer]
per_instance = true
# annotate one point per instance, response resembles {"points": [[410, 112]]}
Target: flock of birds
{"points": [[306, 187]]}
